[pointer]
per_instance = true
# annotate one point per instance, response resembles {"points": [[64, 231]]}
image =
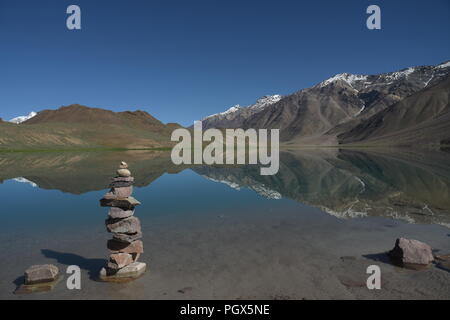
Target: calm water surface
{"points": [[50, 214]]}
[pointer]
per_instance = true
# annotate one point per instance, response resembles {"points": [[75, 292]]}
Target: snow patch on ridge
{"points": [[400, 74], [229, 111], [444, 65], [261, 103], [346, 77], [21, 119]]}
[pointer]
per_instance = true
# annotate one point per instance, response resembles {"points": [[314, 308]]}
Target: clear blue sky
{"points": [[183, 60]]}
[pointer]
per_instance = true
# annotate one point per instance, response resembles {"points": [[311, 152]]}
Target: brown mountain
{"points": [[77, 126], [422, 118], [319, 114]]}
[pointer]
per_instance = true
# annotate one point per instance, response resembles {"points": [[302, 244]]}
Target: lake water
{"points": [[210, 232]]}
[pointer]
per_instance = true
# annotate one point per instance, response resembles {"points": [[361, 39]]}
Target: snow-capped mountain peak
{"points": [[346, 77], [443, 65], [399, 74], [235, 115], [231, 110], [21, 119], [266, 101]]}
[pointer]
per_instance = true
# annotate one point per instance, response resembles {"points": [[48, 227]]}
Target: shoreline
{"points": [[267, 255]]}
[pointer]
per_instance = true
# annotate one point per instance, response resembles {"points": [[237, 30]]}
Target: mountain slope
{"points": [[317, 115], [423, 117], [236, 115], [77, 126]]}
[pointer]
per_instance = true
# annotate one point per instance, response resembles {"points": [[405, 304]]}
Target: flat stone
{"points": [[41, 273], [411, 253], [123, 173], [118, 213], [119, 260], [122, 192], [120, 184], [130, 272], [126, 203], [127, 225], [123, 179], [127, 238], [117, 246], [118, 193]]}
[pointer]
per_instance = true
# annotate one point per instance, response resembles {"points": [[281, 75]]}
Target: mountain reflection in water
{"points": [[400, 184]]}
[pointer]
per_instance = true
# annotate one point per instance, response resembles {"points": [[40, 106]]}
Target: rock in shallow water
{"points": [[411, 253], [132, 271], [41, 273]]}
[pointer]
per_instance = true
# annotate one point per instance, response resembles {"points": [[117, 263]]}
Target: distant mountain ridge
{"points": [[77, 126], [319, 115], [409, 107], [236, 115]]}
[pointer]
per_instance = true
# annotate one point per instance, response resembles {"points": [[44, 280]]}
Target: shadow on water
{"points": [[18, 282], [93, 266]]}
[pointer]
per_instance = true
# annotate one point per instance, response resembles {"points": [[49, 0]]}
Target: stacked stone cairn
{"points": [[126, 245]]}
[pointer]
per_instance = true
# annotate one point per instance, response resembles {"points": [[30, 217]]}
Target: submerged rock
{"points": [[41, 274], [411, 253], [130, 272]]}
